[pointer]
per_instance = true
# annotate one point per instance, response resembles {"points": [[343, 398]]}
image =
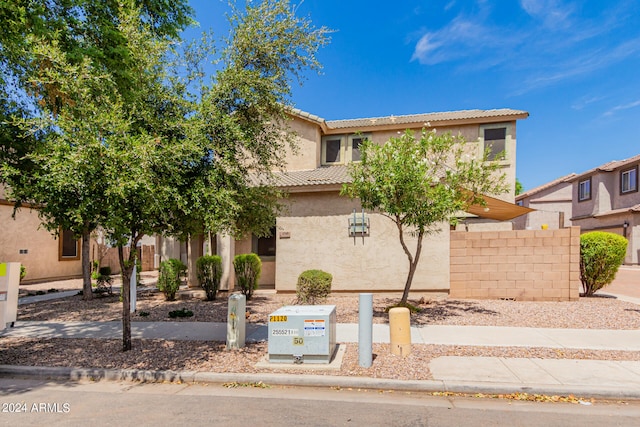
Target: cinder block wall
{"points": [[533, 265]]}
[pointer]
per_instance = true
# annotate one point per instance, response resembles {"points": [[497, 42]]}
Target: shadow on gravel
{"points": [[443, 310], [435, 311]]}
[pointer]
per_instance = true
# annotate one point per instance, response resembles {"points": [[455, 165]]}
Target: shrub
{"points": [[183, 312], [600, 256], [102, 276], [313, 286], [23, 272], [170, 277], [247, 268], [209, 271]]}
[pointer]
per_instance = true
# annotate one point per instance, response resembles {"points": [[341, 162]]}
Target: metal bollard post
{"points": [[236, 321], [365, 330], [400, 331]]}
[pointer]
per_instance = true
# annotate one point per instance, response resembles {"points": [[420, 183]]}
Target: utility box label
{"points": [[314, 328], [280, 332]]}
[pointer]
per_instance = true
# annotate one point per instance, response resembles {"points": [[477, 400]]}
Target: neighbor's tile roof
{"points": [[338, 174], [425, 118], [610, 166], [543, 187], [635, 208]]}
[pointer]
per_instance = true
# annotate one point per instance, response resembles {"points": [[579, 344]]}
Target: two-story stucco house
{"points": [[313, 232], [552, 204], [604, 198]]}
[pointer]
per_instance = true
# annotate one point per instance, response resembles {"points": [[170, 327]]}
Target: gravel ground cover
{"points": [[589, 313]]}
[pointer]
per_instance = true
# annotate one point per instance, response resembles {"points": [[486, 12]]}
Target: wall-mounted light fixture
{"points": [[625, 224]]}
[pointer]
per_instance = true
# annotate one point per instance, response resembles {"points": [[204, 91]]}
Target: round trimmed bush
{"points": [[313, 286], [601, 254]]}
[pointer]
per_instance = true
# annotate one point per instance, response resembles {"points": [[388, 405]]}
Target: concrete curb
{"points": [[303, 380]]}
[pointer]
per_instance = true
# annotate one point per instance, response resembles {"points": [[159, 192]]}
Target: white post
{"points": [[365, 330], [236, 322], [132, 288]]}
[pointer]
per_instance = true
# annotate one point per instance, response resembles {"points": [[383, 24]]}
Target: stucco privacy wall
{"points": [[313, 234], [534, 265], [41, 257]]}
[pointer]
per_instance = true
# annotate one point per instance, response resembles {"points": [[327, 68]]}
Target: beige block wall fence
{"points": [[525, 265]]}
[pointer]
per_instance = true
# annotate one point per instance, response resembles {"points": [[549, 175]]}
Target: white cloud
{"points": [[617, 108], [550, 12]]}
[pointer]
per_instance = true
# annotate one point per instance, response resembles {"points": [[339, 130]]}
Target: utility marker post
{"points": [[365, 330]]}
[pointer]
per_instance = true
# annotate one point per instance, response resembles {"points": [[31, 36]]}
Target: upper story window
{"points": [[494, 141], [629, 180], [69, 246], [584, 190], [341, 149]]}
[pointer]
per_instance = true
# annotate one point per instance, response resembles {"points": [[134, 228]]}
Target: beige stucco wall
{"points": [[549, 203], [307, 154], [317, 230], [41, 261]]}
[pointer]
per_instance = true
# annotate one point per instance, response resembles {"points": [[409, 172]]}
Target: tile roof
{"points": [[546, 186], [609, 166], [635, 208], [323, 175], [422, 119]]}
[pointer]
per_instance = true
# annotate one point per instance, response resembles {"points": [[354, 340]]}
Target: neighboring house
{"points": [[552, 204], [313, 232], [45, 257], [23, 240], [606, 198]]}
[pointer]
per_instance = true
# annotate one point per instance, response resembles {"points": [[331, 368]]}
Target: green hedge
{"points": [[601, 254], [170, 278], [313, 286], [209, 270], [247, 268]]}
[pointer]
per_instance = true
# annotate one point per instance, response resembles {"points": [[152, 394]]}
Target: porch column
{"points": [[226, 248], [194, 251]]}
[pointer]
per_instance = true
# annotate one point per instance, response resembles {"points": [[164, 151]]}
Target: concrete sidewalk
{"points": [[480, 336], [586, 378]]}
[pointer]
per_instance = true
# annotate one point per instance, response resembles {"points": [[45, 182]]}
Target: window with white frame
{"points": [[584, 190], [629, 180], [494, 141], [341, 149]]}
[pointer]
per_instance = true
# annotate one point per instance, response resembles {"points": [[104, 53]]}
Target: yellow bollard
{"points": [[400, 331]]}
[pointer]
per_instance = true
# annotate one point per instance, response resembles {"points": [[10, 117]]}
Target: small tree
{"points": [[601, 254], [209, 270], [247, 268], [420, 184]]}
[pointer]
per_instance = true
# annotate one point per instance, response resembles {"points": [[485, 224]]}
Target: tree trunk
{"points": [[87, 291], [127, 268], [413, 263]]}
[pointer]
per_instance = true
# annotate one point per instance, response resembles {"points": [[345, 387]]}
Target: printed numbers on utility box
{"points": [[277, 318]]}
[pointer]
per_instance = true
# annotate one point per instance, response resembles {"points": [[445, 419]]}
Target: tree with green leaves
{"points": [[519, 187], [420, 183], [172, 159], [41, 40]]}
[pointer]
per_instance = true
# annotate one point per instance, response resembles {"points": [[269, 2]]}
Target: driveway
{"points": [[627, 282]]}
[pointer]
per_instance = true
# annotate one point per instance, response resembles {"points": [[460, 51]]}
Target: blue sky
{"points": [[574, 66]]}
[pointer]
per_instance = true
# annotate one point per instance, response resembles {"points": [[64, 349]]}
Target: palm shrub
{"points": [[247, 268], [170, 277], [209, 271], [601, 254], [313, 286]]}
